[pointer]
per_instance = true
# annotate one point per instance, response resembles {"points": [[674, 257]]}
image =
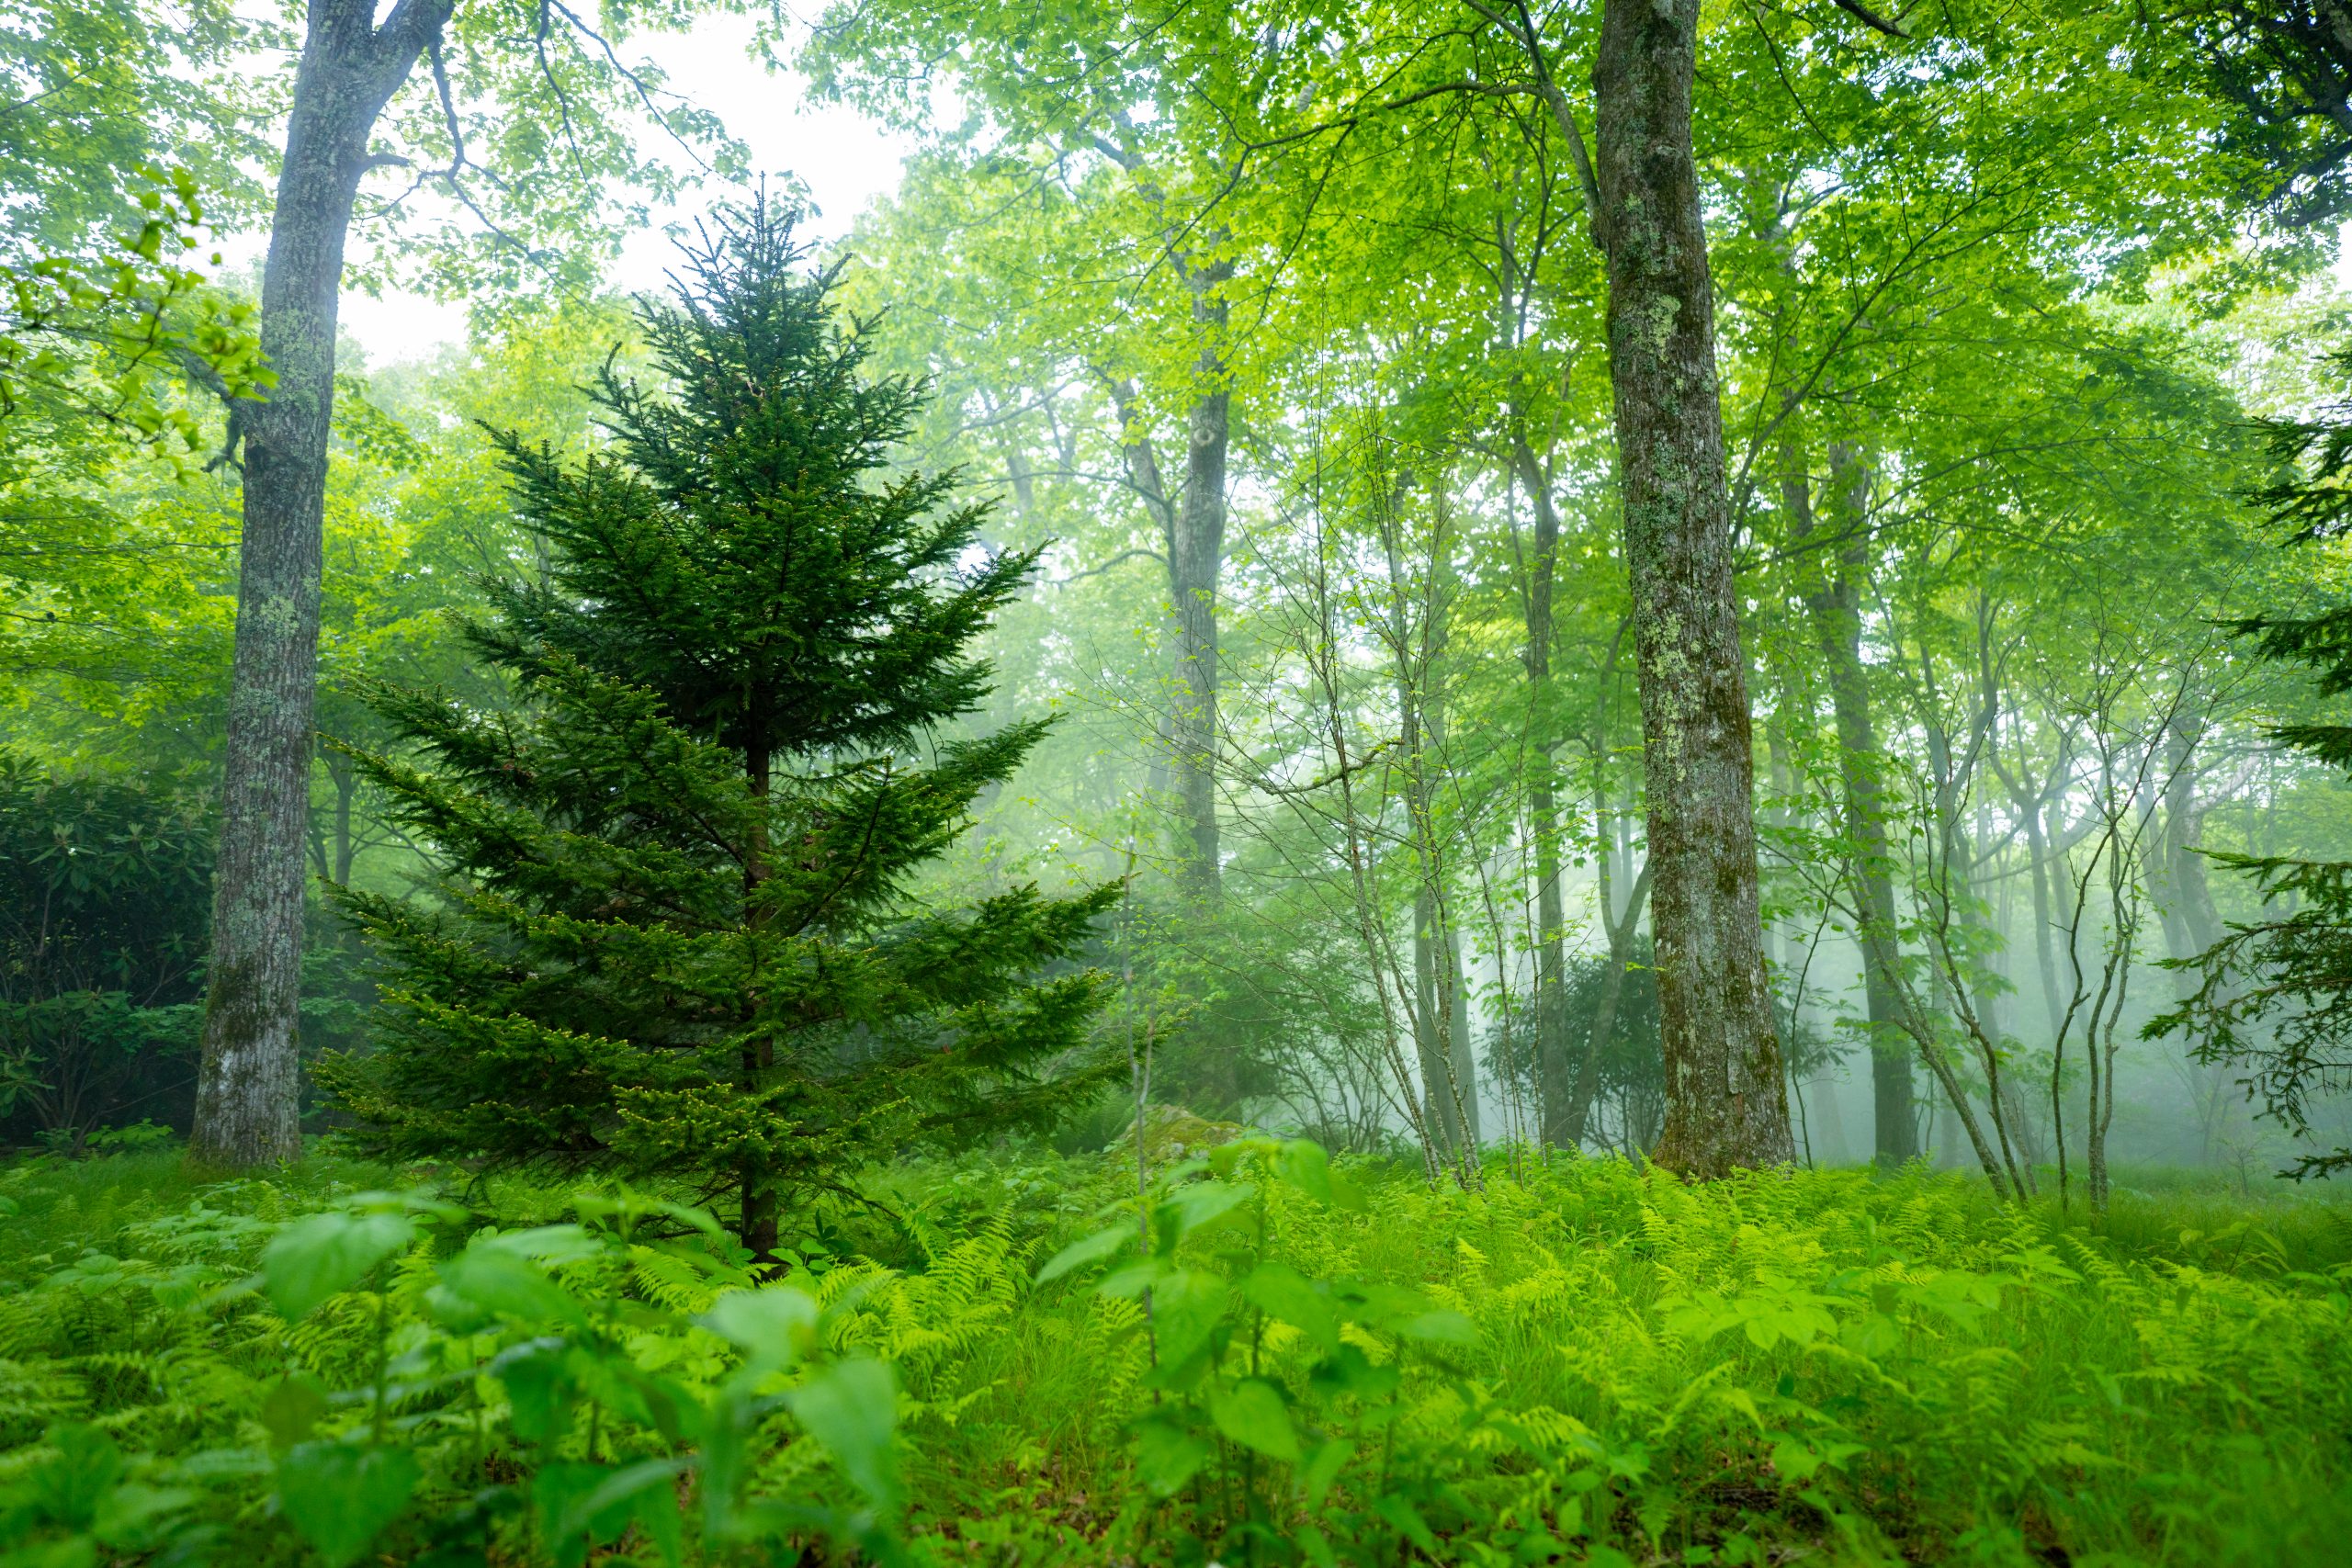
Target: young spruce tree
{"points": [[678, 940]]}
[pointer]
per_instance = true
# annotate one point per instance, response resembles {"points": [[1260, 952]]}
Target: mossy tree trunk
{"points": [[1726, 1097], [247, 1088]]}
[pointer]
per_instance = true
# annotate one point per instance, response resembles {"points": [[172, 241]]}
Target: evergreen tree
{"points": [[680, 938], [2275, 994]]}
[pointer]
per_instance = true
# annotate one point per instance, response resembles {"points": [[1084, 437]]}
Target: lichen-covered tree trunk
{"points": [[247, 1087], [1726, 1099], [1833, 604]]}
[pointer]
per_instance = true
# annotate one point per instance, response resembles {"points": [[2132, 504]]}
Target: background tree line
{"points": [[1581, 645]]}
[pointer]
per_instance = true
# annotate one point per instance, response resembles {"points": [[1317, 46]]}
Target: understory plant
{"points": [[1258, 1357]]}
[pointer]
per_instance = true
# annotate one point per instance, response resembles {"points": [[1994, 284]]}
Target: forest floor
{"points": [[1583, 1363]]}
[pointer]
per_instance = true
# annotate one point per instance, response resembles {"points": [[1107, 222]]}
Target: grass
{"points": [[1594, 1365]]}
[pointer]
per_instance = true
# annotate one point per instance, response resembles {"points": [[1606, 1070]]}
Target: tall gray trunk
{"points": [[2037, 844], [1833, 603], [1196, 553], [1437, 986], [1553, 1073], [248, 1085], [2190, 920], [1620, 921], [1726, 1102], [1464, 1063]]}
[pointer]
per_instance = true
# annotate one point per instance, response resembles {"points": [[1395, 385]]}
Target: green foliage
{"points": [[1629, 1075], [107, 341], [105, 890], [2275, 994], [1303, 1364], [678, 937]]}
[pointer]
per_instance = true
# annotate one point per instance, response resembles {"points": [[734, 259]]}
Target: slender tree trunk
{"points": [[1833, 603], [1619, 924], [1455, 1000], [1195, 555], [1543, 811], [1449, 1082], [756, 1227], [1143, 474], [2185, 906], [1431, 1035], [345, 780], [248, 1085], [2045, 956], [2190, 921], [1726, 1097]]}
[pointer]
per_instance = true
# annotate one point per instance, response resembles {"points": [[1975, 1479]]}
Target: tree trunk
{"points": [[1833, 602], [1464, 1062], [345, 780], [1543, 812], [1143, 476], [757, 1220], [2037, 845], [248, 1086], [1726, 1102], [1620, 929], [1196, 553], [2190, 921], [1434, 997]]}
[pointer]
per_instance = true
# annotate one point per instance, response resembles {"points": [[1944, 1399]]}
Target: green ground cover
{"points": [[1584, 1363]]}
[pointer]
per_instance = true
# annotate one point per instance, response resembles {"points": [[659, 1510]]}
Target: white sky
{"points": [[845, 159]]}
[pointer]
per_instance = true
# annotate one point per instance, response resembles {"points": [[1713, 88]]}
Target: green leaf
{"points": [[770, 1325], [1305, 1166], [1440, 1327], [542, 1244], [1190, 1208], [1322, 1468], [539, 1389], [291, 1407], [581, 1504], [1167, 1457], [494, 1280], [1087, 1249], [1282, 1292], [1186, 1307], [325, 1254], [341, 1497], [69, 1487], [852, 1409], [1252, 1414], [1400, 1512], [1795, 1462]]}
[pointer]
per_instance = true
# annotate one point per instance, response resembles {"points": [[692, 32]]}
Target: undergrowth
{"points": [[997, 1362]]}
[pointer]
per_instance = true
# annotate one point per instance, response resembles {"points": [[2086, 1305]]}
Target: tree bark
{"points": [[248, 1085], [1620, 929], [1726, 1099], [1195, 555], [1556, 1088], [756, 1221], [1833, 603], [1436, 995]]}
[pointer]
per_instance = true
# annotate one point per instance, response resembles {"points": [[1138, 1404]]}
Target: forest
{"points": [[1489, 782]]}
